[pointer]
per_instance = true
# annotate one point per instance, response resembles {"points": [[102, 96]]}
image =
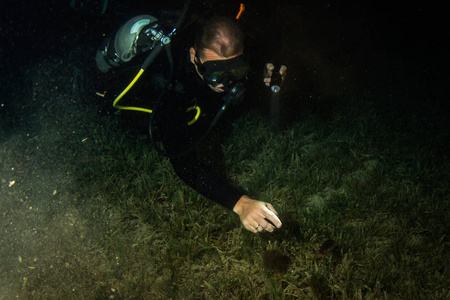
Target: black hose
{"points": [[155, 52], [183, 15], [151, 57]]}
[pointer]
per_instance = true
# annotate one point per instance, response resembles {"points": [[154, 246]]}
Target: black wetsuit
{"points": [[170, 127]]}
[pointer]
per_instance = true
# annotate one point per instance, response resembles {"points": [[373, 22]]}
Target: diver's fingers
{"points": [[268, 70], [251, 227], [272, 217], [270, 207], [283, 72], [270, 66], [265, 225]]}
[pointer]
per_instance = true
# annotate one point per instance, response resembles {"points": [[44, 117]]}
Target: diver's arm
{"points": [[256, 216], [205, 181]]}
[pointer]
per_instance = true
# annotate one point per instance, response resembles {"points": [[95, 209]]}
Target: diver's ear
{"points": [[192, 54]]}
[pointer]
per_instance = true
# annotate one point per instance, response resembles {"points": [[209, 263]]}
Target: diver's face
{"points": [[209, 55]]}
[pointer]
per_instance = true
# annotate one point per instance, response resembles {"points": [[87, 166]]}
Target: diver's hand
{"points": [[268, 71], [255, 215]]}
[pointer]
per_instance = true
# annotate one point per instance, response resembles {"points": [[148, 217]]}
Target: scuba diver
{"points": [[210, 79]]}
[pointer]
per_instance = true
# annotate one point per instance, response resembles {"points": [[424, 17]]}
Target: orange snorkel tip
{"points": [[241, 11]]}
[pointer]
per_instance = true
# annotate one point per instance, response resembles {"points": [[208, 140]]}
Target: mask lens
{"points": [[216, 78], [224, 77], [224, 71]]}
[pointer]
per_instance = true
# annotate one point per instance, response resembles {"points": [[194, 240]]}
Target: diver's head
{"points": [[217, 54], [221, 35]]}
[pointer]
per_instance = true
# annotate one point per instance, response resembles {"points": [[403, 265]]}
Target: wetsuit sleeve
{"points": [[205, 181], [176, 138]]}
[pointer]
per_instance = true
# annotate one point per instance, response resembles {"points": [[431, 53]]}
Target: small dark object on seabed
{"points": [[276, 261], [326, 247]]}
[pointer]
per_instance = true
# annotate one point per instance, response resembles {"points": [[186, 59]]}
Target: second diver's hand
{"points": [[268, 71], [257, 216]]}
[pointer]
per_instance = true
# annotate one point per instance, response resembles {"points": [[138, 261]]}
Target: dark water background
{"points": [[380, 49]]}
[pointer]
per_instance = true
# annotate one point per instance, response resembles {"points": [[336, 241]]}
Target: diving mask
{"points": [[216, 72]]}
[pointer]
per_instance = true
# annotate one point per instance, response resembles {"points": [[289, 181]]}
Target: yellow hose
{"points": [[197, 108], [197, 115], [125, 91]]}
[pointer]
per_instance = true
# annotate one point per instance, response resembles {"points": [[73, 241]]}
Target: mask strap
{"points": [[198, 63]]}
